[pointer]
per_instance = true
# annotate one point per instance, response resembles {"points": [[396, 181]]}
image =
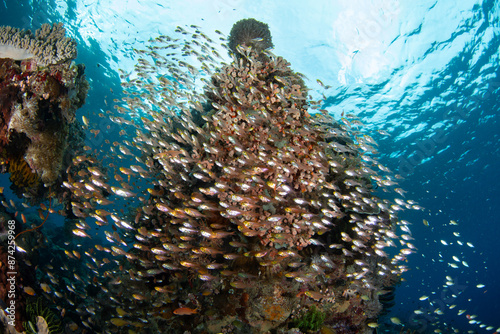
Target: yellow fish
{"points": [[119, 322], [85, 121], [121, 312], [45, 287]]}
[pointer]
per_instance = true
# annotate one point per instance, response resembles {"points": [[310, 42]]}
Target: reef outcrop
{"points": [[40, 91], [261, 213], [247, 207]]}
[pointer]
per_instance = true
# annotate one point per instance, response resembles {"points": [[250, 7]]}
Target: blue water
{"points": [[426, 72]]}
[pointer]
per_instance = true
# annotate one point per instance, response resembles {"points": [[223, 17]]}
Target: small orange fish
{"points": [[29, 290], [185, 311], [138, 296], [119, 322], [76, 254], [240, 285]]}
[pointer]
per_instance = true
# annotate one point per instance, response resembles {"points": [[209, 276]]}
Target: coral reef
{"points": [[49, 44], [40, 91], [256, 209], [247, 209], [38, 103]]}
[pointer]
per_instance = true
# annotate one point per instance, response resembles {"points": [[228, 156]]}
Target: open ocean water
{"points": [[425, 72]]}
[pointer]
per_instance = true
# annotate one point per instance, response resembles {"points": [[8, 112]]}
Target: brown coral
{"points": [[250, 33]]}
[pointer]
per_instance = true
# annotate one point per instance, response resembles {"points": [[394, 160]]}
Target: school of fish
{"points": [[231, 201]]}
